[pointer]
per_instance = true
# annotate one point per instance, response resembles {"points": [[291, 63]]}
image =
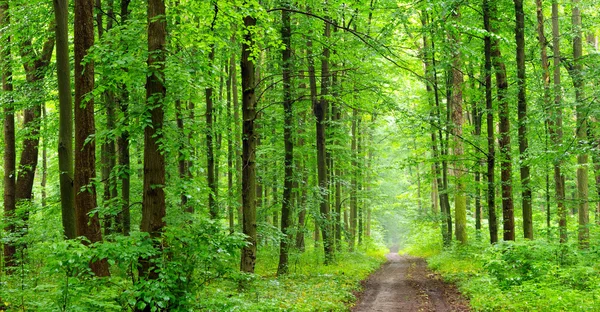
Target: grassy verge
{"points": [[310, 286], [520, 276]]}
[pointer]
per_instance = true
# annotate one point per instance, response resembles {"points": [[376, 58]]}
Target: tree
{"points": [[555, 126], [87, 224], [210, 148], [460, 198], [582, 127], [10, 155], [249, 138], [504, 140], [65, 135], [489, 105], [320, 112], [153, 200], [286, 202], [522, 113]]}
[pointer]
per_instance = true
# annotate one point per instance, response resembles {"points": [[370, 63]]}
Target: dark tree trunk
{"points": [[435, 113], [353, 183], [10, 155], [123, 142], [582, 128], [230, 152], [489, 105], [555, 127], [522, 114], [504, 141], [249, 142], [210, 149], [85, 159], [153, 199], [288, 115]]}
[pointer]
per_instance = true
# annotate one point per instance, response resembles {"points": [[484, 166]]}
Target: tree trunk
{"points": [[460, 199], [546, 95], [555, 127], [65, 130], [123, 142], [582, 128], [353, 183], [522, 114], [435, 114], [85, 159], [249, 138], [10, 155], [320, 112], [153, 199], [288, 115], [210, 149], [489, 105], [230, 152], [504, 141]]}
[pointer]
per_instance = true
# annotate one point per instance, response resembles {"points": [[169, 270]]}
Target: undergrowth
{"points": [[310, 285], [539, 275]]}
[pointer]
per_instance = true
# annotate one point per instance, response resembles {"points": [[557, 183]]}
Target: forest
{"points": [[266, 155]]}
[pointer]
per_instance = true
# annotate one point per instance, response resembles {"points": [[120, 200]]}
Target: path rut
{"points": [[403, 283]]}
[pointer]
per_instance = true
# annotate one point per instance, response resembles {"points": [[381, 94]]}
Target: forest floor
{"points": [[404, 283]]}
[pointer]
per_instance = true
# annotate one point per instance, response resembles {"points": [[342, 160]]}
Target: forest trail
{"points": [[404, 283]]}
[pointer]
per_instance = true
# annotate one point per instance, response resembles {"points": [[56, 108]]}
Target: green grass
{"points": [[310, 285], [535, 275]]}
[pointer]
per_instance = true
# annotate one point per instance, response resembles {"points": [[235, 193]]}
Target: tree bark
{"points": [[582, 128], [504, 129], [85, 159], [522, 115], [353, 183], [460, 199], [546, 95], [10, 155], [249, 142], [210, 149], [288, 115], [123, 142], [320, 112], [153, 198], [65, 130], [555, 127], [489, 105]]}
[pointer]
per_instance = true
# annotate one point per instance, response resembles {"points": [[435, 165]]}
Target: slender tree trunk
{"points": [[85, 159], [555, 127], [288, 115], [249, 143], [582, 128], [546, 96], [123, 142], [153, 198], [359, 179], [320, 112], [460, 199], [522, 114], [230, 153], [504, 129], [353, 183], [489, 105], [432, 89], [10, 155], [210, 149], [44, 180], [65, 130]]}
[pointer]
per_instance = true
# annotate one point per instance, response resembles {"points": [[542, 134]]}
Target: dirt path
{"points": [[405, 284]]}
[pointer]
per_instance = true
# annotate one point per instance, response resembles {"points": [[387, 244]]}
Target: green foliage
{"points": [[310, 285], [522, 276]]}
